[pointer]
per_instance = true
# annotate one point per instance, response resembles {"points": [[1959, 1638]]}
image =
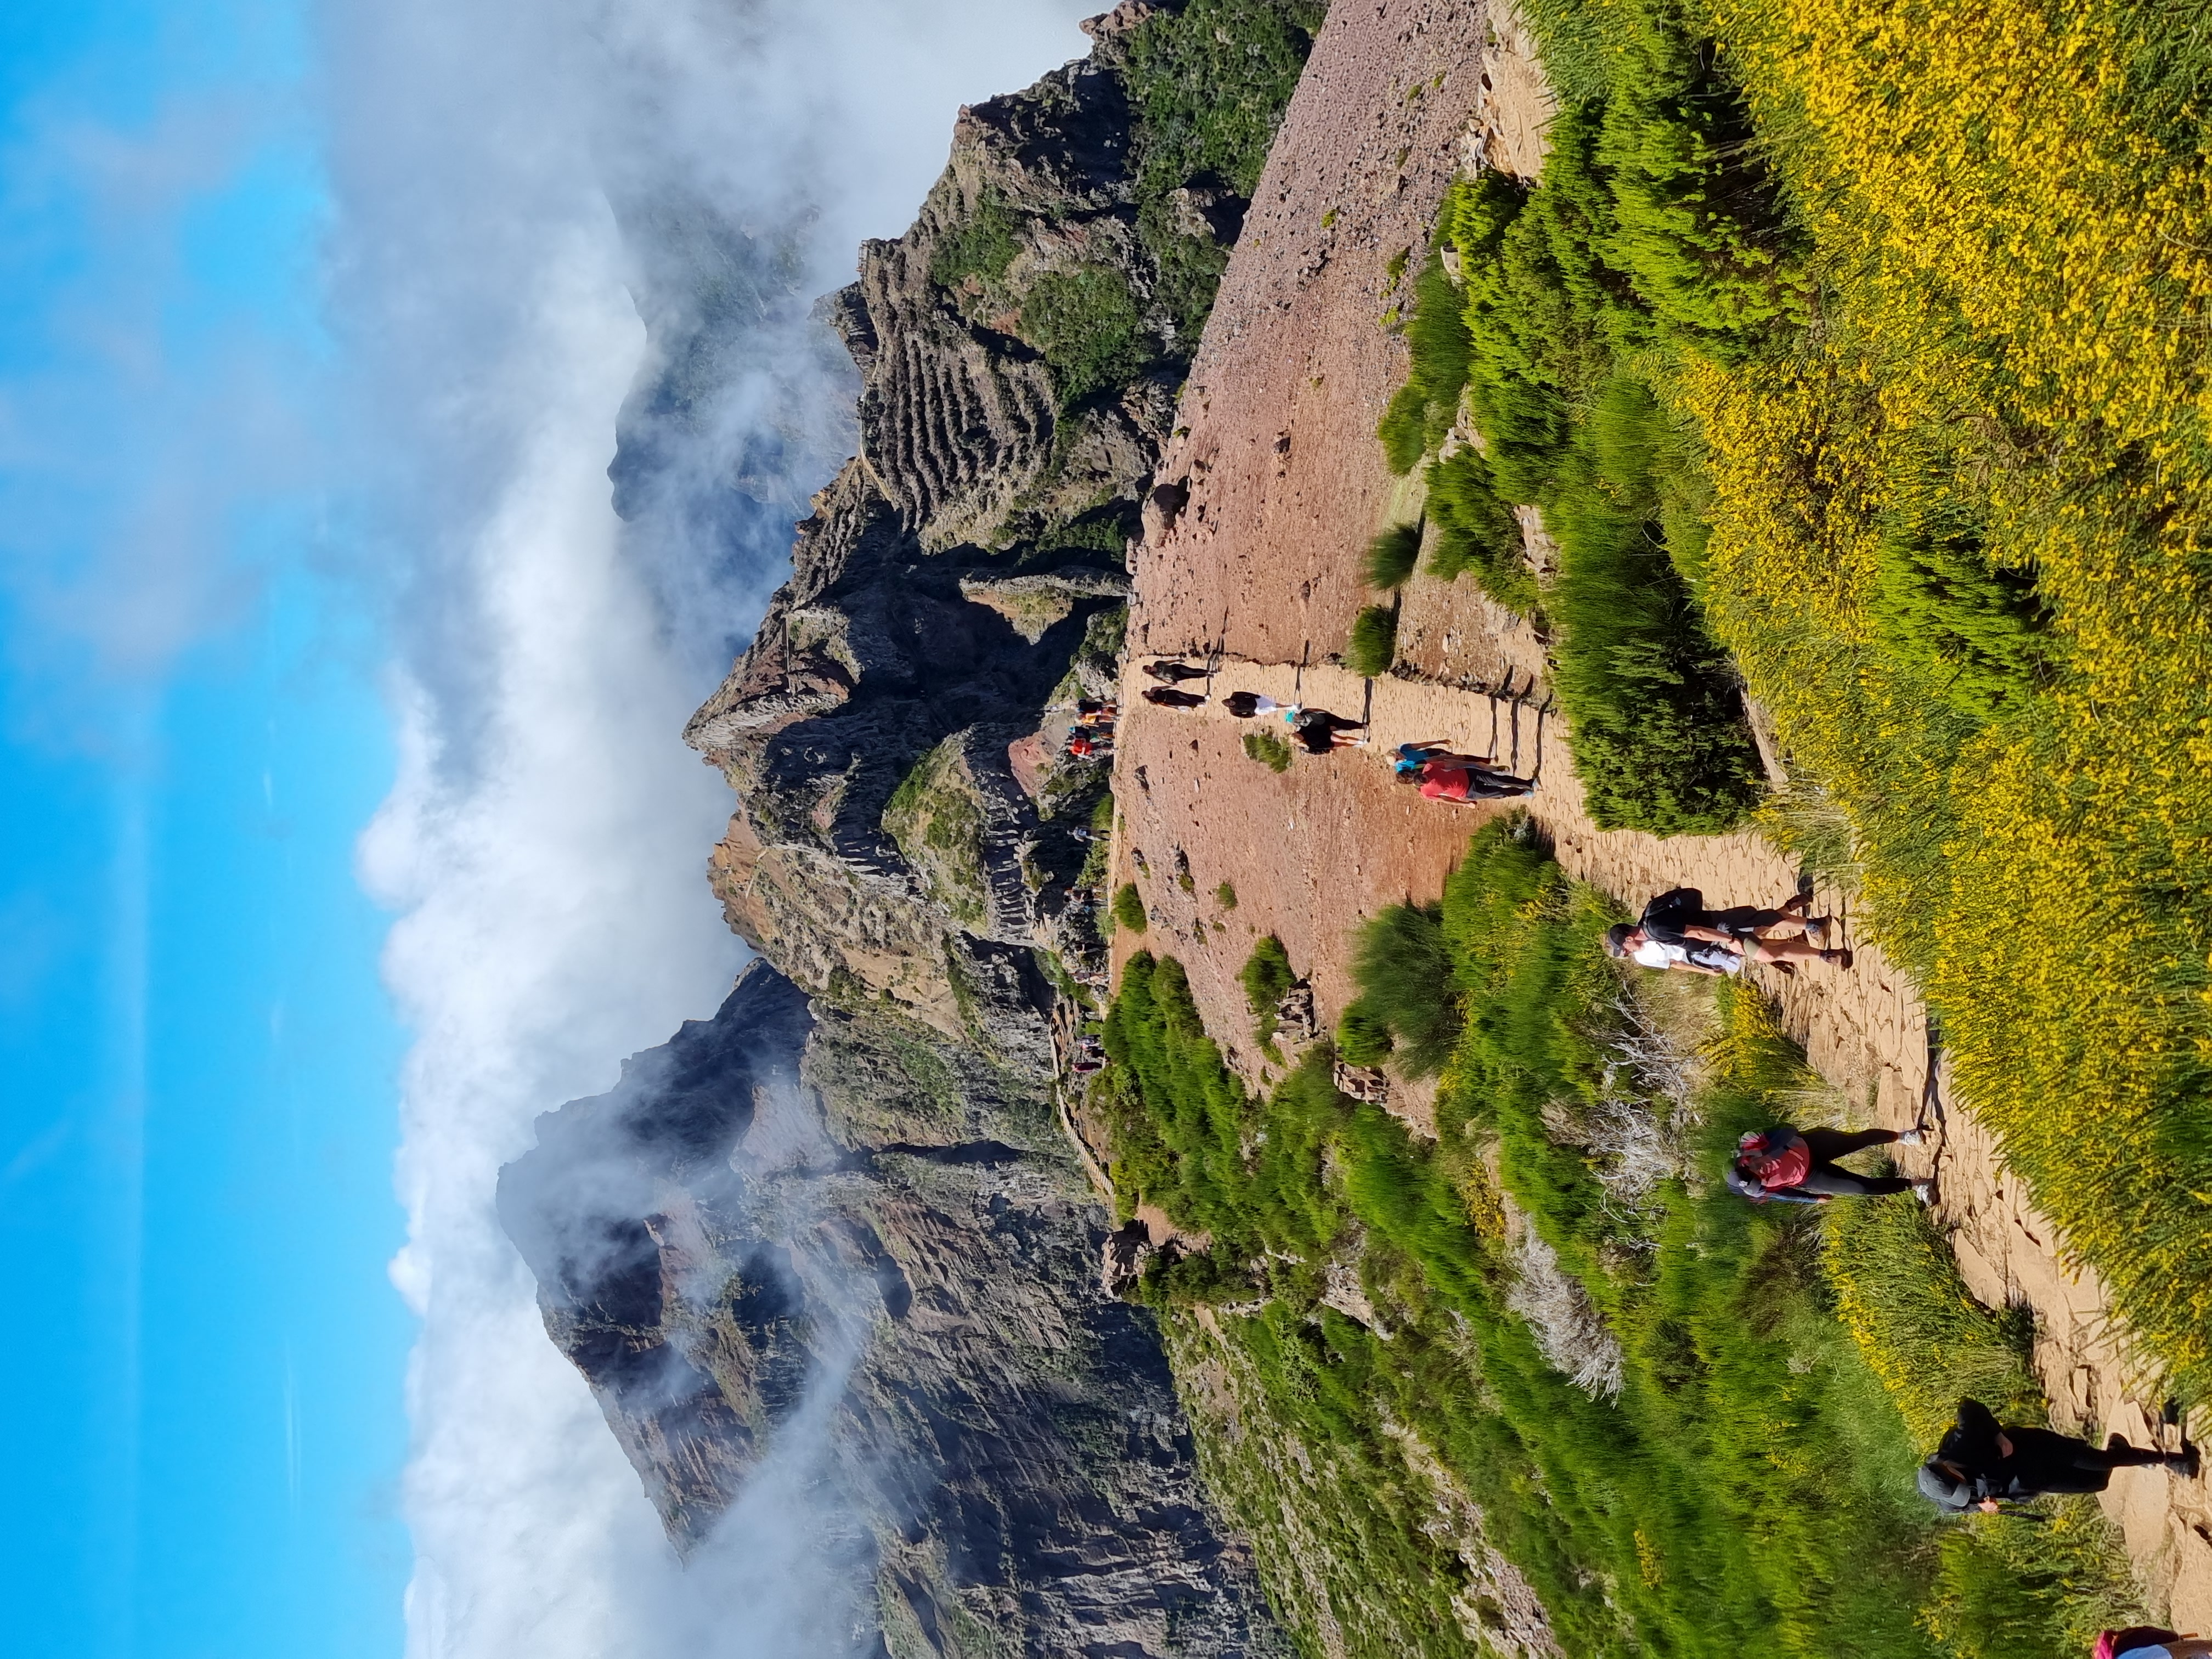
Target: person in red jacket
{"points": [[1783, 1165]]}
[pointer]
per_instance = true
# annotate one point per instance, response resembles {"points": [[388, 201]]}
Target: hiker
{"points": [[1318, 730], [1093, 711], [1085, 745], [2149, 1642], [1168, 697], [1173, 673], [1978, 1463], [1245, 704], [1783, 1165], [1446, 775], [1463, 779], [1678, 915], [1411, 757], [1627, 941]]}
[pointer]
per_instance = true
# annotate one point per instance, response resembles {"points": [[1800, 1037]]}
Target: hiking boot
{"points": [[1924, 1191], [2184, 1463], [1816, 930], [1909, 1138], [1837, 958]]}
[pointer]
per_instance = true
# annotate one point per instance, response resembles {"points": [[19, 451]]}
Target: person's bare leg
{"points": [[1786, 951]]}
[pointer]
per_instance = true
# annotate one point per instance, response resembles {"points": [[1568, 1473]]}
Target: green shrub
{"points": [[1478, 534], [1392, 555], [1699, 233], [1363, 1038], [1899, 1294], [983, 247], [1373, 646], [1660, 736], [1980, 634], [1269, 748], [1129, 908], [1404, 974], [1225, 895], [1437, 338], [1267, 978], [1087, 324], [1659, 733], [2033, 1587], [1207, 84]]}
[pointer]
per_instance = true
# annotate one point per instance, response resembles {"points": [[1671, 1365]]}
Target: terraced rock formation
{"points": [[847, 1199]]}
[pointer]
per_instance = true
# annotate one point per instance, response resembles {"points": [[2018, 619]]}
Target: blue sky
{"points": [[315, 323], [204, 1424]]}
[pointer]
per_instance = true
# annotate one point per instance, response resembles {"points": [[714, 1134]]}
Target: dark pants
{"points": [[2043, 1460], [1826, 1180], [1483, 784]]}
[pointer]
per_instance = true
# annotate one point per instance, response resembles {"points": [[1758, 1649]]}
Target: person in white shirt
{"points": [[1625, 941]]}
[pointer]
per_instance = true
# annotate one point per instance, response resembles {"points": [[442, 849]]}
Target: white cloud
{"points": [[547, 838]]}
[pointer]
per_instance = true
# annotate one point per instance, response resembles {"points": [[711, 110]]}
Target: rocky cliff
{"points": [[849, 1193], [783, 1208]]}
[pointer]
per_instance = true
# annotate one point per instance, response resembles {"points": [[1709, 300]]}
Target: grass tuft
{"points": [[1271, 749], [1373, 646], [1129, 908], [1393, 556]]}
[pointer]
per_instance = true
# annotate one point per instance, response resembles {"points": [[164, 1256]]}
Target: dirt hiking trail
{"points": [[1261, 568]]}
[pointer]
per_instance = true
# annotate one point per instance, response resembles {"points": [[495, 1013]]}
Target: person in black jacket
{"points": [[1168, 697], [1979, 1462], [1172, 673]]}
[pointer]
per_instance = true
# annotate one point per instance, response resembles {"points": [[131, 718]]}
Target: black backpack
{"points": [[1666, 916]]}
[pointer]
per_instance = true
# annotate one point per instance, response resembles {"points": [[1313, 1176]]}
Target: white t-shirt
{"points": [[1652, 954]]}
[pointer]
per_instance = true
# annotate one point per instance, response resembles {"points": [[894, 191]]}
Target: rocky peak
{"points": [[848, 1219]]}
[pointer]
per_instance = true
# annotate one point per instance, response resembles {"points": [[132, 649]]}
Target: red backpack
{"points": [[2111, 1643], [1787, 1168]]}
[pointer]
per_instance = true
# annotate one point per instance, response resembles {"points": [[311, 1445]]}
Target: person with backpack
{"points": [[1627, 941], [1980, 1464], [1679, 917], [2149, 1642], [1316, 730], [1783, 1165], [1463, 779]]}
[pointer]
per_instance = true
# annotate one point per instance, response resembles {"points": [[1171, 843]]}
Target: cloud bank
{"points": [[546, 842]]}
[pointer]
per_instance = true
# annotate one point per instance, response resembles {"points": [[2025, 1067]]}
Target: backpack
{"points": [[1787, 1166], [2111, 1643], [1770, 1164], [1665, 917]]}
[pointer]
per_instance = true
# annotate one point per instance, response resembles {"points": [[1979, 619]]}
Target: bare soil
{"points": [[1287, 483]]}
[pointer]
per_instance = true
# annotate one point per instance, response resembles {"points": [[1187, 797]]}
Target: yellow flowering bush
{"points": [[2013, 227]]}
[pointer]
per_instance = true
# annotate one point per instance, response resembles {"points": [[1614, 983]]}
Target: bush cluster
{"points": [[1751, 1485], [1267, 978]]}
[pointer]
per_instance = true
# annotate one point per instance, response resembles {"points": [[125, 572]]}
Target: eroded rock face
{"points": [[847, 1214], [960, 579], [846, 1199]]}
